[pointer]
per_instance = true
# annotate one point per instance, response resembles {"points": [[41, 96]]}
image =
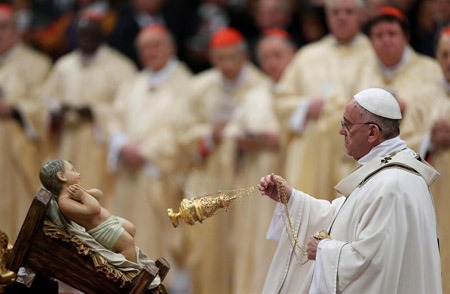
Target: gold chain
{"points": [[293, 239]]}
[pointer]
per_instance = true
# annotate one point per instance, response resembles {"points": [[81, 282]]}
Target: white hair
{"points": [[329, 3]]}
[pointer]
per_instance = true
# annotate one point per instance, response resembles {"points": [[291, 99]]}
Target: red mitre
{"points": [[225, 37], [389, 10], [92, 16], [277, 33], [7, 9]]}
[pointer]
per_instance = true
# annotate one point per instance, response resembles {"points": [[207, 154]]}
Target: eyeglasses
{"points": [[348, 125]]}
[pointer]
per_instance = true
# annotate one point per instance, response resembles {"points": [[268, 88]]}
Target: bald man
{"points": [[143, 148], [380, 236], [22, 122], [80, 92], [312, 94]]}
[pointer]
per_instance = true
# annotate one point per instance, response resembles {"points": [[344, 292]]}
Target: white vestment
{"points": [[383, 234]]}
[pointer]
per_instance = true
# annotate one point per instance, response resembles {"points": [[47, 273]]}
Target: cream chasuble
{"points": [[148, 114], [252, 257], [439, 158], [22, 151], [330, 71], [94, 84], [212, 100], [383, 234]]}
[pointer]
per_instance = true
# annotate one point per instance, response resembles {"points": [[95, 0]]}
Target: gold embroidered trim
{"points": [[100, 263]]}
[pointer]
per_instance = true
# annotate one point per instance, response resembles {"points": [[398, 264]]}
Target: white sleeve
{"points": [[116, 143], [298, 118], [319, 285], [276, 226]]}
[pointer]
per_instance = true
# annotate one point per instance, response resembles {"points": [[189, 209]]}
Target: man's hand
{"points": [[312, 248], [315, 109], [75, 191], [5, 109], [440, 133], [269, 187], [254, 141], [131, 156], [217, 131]]}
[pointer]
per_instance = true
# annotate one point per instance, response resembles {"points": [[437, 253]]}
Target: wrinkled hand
{"points": [[312, 248], [269, 187], [131, 157], [75, 191]]}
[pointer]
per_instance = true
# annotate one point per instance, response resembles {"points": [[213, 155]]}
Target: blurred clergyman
{"points": [[80, 92], [22, 122]]}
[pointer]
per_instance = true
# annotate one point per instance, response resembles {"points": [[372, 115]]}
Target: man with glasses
{"points": [[382, 231]]}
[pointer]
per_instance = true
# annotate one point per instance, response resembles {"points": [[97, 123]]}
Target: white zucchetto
{"points": [[379, 102]]}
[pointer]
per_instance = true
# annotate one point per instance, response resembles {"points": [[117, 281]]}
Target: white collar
{"points": [[389, 71], [88, 59], [353, 41], [384, 148], [230, 85], [156, 78]]}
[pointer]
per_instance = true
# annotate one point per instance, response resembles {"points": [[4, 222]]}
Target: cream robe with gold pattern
{"points": [[211, 247], [253, 252], [150, 117], [322, 69], [93, 84], [22, 73]]}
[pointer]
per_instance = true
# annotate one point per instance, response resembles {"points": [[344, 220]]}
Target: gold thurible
{"points": [[198, 209]]}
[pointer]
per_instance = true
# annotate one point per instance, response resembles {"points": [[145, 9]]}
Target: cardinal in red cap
{"points": [[228, 52], [275, 51]]}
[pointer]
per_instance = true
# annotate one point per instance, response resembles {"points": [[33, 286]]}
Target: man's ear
{"points": [[61, 177], [374, 134]]}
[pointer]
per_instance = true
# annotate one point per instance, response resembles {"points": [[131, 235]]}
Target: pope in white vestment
{"points": [[383, 228]]}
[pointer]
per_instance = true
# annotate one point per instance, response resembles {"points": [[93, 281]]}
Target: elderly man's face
{"points": [[155, 50], [344, 19], [274, 55], [355, 131], [8, 33], [443, 55], [388, 41], [229, 60]]}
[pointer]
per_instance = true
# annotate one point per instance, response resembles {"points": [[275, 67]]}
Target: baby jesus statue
{"points": [[81, 206]]}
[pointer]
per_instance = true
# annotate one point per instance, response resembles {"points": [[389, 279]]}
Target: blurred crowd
{"points": [[155, 100]]}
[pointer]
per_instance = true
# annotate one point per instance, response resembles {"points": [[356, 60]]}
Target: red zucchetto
{"points": [[225, 37], [389, 10], [277, 33]]}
